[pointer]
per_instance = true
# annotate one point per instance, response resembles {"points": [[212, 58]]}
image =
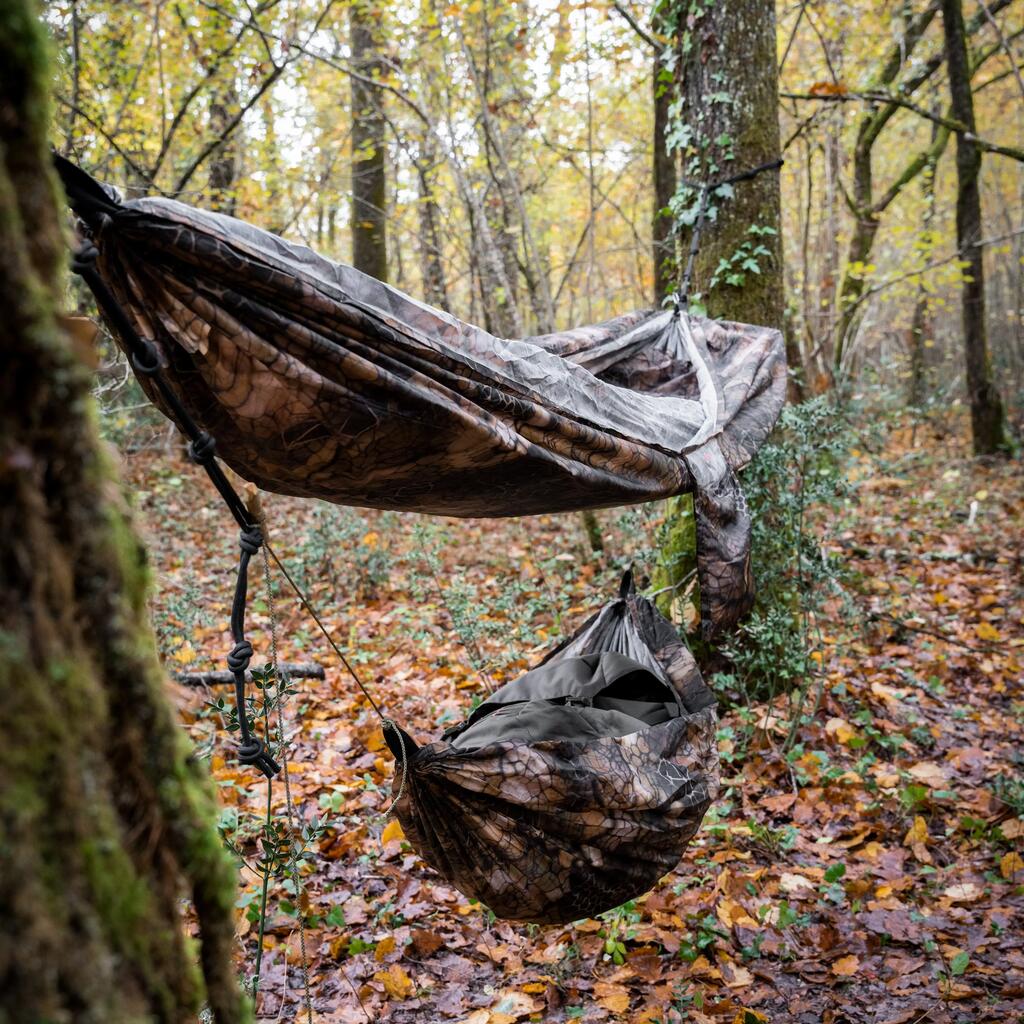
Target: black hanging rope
{"points": [[704, 190], [145, 360]]}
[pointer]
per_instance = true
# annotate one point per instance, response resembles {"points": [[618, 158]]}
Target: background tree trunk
{"points": [[223, 179], [921, 320], [369, 181], [987, 423], [106, 821], [435, 286], [663, 168], [727, 79]]}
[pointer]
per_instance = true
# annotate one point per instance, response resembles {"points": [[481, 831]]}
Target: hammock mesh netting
{"points": [[318, 381]]}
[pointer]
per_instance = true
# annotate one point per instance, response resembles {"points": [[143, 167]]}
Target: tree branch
{"points": [[898, 101], [636, 26]]}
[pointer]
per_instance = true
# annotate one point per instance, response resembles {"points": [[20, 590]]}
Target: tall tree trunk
{"points": [[369, 182], [435, 287], [920, 322], [663, 169], [106, 820], [728, 82], [224, 165], [987, 422], [727, 79], [820, 364]]}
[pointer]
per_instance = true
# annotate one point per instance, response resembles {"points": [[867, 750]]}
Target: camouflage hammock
{"points": [[578, 786], [318, 381]]}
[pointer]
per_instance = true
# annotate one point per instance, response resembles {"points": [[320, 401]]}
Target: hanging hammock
{"points": [[576, 787], [318, 381]]}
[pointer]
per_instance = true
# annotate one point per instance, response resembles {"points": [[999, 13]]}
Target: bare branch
{"points": [[636, 26], [898, 101]]}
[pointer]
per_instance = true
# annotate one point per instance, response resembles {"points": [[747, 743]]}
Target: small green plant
{"points": [[747, 259], [341, 548], [1009, 791], [772, 841], [619, 928], [181, 611], [684, 998], [706, 931]]}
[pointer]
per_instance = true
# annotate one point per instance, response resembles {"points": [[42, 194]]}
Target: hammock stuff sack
{"points": [[316, 380], [576, 787]]}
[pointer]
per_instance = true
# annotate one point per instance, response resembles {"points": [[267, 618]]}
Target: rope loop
{"points": [[251, 540], [203, 449], [389, 723], [239, 656], [145, 359], [255, 754]]}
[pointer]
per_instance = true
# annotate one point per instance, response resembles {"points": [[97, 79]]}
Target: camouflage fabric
{"points": [[558, 829], [318, 381]]}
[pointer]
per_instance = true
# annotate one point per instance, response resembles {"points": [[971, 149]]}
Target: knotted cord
{"points": [[704, 190], [281, 685]]}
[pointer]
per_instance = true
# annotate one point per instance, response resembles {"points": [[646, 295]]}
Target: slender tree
{"points": [[369, 175], [663, 163], [987, 421], [106, 822], [224, 163]]}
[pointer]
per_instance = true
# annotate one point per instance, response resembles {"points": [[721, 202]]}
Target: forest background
{"points": [[528, 167]]}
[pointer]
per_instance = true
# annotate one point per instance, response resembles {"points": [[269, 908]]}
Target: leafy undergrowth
{"points": [[870, 871]]}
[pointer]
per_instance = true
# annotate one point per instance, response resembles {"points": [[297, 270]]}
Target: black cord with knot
{"points": [[147, 363], [704, 189]]}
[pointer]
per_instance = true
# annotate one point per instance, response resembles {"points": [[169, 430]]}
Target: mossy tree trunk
{"points": [[106, 823], [663, 165], [727, 90], [727, 79]]}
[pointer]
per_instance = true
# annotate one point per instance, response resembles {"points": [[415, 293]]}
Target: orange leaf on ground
{"points": [[392, 831], [396, 982], [425, 943], [1011, 864], [846, 966], [612, 997]]}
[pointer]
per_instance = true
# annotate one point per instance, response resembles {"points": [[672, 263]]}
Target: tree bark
{"points": [[435, 285], [369, 181], [987, 421], [663, 172], [107, 822], [224, 166], [727, 80], [921, 320]]}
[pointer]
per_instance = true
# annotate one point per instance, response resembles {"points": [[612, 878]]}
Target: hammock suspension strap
{"points": [[145, 361], [202, 448]]}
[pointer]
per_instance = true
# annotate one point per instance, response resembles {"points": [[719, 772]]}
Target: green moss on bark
{"points": [[106, 824]]}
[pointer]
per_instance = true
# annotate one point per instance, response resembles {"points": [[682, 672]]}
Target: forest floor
{"points": [[872, 872]]}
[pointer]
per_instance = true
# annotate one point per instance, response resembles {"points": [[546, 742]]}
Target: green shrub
{"points": [[794, 487]]}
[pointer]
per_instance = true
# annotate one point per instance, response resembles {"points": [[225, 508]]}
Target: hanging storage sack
{"points": [[576, 787]]}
